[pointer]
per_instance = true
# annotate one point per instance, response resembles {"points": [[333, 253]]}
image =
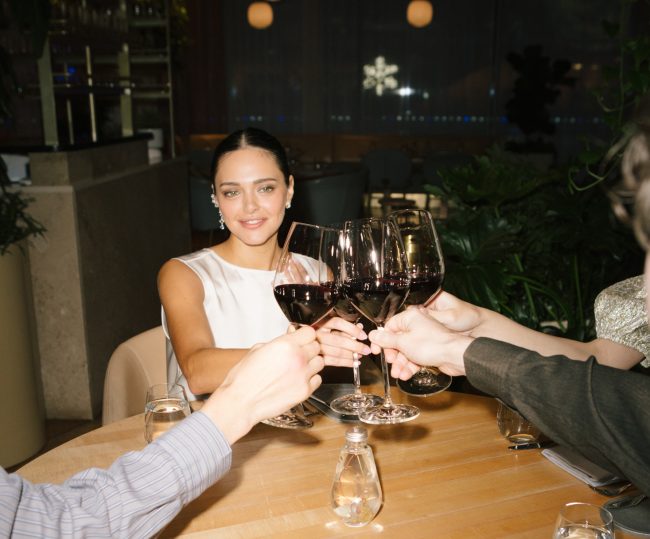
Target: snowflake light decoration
{"points": [[380, 76]]}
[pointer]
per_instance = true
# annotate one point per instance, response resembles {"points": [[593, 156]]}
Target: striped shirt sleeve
{"points": [[136, 497]]}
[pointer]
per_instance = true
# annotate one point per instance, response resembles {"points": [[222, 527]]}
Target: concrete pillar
{"points": [[112, 220]]}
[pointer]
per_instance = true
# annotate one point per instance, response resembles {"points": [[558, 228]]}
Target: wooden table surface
{"points": [[448, 474]]}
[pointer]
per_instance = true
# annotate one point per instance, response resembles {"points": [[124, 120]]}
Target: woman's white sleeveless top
{"points": [[238, 302]]}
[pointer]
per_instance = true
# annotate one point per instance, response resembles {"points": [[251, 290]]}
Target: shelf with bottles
{"points": [[151, 70], [73, 25], [83, 73], [150, 56]]}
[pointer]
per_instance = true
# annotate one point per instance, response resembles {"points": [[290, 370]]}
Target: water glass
{"points": [[584, 521], [514, 427], [166, 405]]}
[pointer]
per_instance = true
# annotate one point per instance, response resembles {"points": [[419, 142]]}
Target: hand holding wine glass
{"points": [[305, 286], [352, 403], [375, 280], [426, 268]]}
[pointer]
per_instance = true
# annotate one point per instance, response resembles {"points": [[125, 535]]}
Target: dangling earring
{"points": [[213, 197], [288, 205]]}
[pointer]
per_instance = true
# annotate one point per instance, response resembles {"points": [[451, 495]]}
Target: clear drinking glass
{"points": [[305, 287], [514, 427], [579, 520], [426, 267], [374, 278], [165, 406]]}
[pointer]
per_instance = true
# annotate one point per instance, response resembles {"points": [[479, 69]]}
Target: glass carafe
{"points": [[356, 491]]}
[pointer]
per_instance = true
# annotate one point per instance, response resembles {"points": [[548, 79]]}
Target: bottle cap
{"points": [[356, 434]]}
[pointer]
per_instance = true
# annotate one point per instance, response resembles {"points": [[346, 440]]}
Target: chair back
{"points": [[434, 162], [135, 365], [388, 170], [203, 215], [200, 162], [331, 199]]}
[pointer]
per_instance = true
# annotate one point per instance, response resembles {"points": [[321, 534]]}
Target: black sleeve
{"points": [[601, 412]]}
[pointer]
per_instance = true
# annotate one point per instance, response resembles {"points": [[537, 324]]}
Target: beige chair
{"points": [[135, 365]]}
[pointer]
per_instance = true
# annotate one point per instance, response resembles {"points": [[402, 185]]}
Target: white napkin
{"points": [[580, 467]]}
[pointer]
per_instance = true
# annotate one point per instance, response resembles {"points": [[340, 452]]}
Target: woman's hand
{"points": [[340, 342], [455, 314]]}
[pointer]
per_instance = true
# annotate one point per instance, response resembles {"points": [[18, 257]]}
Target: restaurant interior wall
{"points": [[304, 73]]}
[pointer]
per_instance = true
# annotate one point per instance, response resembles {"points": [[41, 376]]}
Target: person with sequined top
{"points": [[623, 337], [620, 316]]}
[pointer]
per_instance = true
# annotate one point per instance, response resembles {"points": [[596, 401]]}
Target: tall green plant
{"points": [[16, 224], [518, 241]]}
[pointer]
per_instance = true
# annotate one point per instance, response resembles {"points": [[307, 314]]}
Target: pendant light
{"points": [[419, 13], [260, 15]]}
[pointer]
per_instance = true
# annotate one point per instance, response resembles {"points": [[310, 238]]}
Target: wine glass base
{"points": [[289, 420], [353, 403], [389, 415], [425, 382]]}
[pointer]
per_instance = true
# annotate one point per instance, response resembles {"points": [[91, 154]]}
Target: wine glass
{"points": [[426, 267], [374, 278], [584, 520], [305, 286]]}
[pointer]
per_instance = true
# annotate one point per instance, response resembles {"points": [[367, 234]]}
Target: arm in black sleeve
{"points": [[601, 412]]}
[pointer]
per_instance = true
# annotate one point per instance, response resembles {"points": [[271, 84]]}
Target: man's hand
{"points": [[414, 337], [268, 381]]}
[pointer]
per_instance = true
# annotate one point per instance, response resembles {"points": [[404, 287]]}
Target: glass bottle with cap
{"points": [[356, 491]]}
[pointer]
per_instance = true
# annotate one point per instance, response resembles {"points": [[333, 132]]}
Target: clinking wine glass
{"points": [[375, 279], [351, 403], [305, 287], [426, 267]]}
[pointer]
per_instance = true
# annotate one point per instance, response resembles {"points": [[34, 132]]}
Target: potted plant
{"points": [[21, 415], [519, 241]]}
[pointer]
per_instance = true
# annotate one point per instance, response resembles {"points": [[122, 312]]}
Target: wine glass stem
{"points": [[357, 377], [388, 402]]}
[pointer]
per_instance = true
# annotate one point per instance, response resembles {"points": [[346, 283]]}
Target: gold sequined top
{"points": [[621, 316]]}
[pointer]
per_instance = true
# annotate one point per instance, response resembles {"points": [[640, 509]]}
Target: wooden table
{"points": [[448, 474]]}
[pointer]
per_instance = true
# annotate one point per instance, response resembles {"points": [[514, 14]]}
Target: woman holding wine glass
{"points": [[305, 286], [426, 268], [218, 302], [375, 279]]}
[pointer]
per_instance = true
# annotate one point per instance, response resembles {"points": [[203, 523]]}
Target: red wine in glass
{"points": [[305, 288], [377, 298], [424, 286], [305, 304], [375, 280]]}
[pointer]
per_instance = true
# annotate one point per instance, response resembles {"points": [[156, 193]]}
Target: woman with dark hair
{"points": [[218, 302]]}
